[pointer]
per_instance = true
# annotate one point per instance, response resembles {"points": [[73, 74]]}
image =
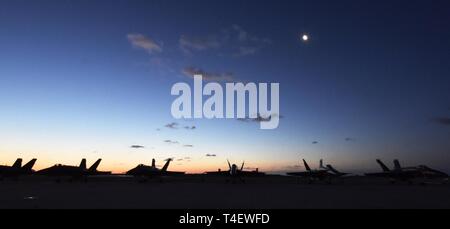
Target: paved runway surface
{"points": [[193, 193]]}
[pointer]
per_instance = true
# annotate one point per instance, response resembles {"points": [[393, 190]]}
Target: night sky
{"points": [[92, 79]]}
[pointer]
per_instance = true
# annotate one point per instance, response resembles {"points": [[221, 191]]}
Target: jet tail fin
{"points": [[383, 166], [321, 164], [397, 165], [94, 167], [83, 164], [306, 165], [18, 163], [153, 163], [166, 166], [229, 164], [29, 165], [242, 167]]}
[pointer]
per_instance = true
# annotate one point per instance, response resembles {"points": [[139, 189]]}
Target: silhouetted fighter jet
{"points": [[431, 173], [332, 170], [423, 171], [323, 173], [153, 171], [407, 173], [234, 171], [16, 169], [74, 172]]}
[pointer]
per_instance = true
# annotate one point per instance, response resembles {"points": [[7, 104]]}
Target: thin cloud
{"points": [[208, 76], [245, 51], [260, 118], [294, 167], [172, 125], [189, 44], [442, 120], [171, 142], [231, 41], [142, 42], [137, 147]]}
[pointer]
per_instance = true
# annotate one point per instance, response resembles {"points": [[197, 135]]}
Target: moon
{"points": [[305, 37]]}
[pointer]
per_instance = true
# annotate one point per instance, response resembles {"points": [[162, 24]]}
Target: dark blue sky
{"points": [[91, 78]]}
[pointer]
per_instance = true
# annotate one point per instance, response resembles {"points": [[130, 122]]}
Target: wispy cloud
{"points": [[172, 125], [142, 42], [171, 142], [260, 118], [244, 51], [189, 44], [442, 120], [137, 147], [248, 44], [232, 41], [208, 76], [293, 167]]}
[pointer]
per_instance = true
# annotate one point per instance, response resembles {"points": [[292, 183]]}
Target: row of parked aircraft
{"points": [[323, 173], [327, 173]]}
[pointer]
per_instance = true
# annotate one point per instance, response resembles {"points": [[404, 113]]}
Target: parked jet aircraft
{"points": [[234, 171], [424, 171], [397, 173], [153, 171], [431, 173], [407, 173], [74, 172], [332, 170], [323, 173], [16, 169]]}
